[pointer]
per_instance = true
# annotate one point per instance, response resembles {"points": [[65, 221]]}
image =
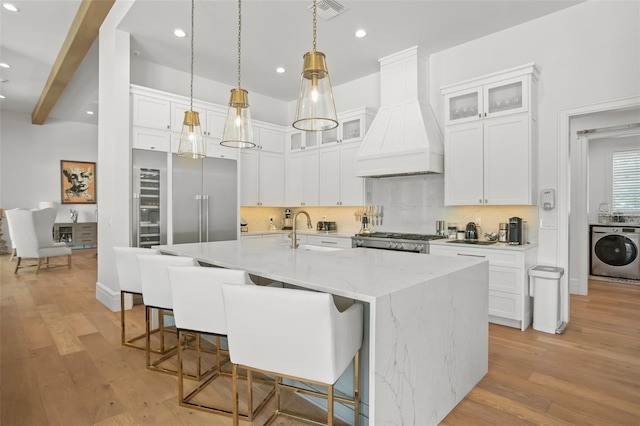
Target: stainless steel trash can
{"points": [[544, 287]]}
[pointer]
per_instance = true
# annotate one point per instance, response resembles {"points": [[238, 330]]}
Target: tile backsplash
{"points": [[410, 204]]}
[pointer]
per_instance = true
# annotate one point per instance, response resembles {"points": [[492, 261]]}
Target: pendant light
{"points": [[238, 130], [316, 110], [191, 139]]}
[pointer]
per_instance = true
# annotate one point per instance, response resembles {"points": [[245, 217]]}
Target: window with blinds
{"points": [[626, 181]]}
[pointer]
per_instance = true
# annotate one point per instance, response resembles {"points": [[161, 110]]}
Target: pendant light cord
{"points": [[314, 25], [239, 36], [192, 28]]}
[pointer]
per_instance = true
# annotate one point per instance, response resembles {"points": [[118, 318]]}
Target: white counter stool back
{"points": [[129, 280], [314, 342], [156, 294], [198, 307]]}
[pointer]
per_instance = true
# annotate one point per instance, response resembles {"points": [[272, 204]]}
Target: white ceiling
{"points": [[274, 33]]}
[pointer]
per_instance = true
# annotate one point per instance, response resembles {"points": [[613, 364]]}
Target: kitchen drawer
{"points": [[505, 279], [496, 257], [318, 240], [504, 305]]}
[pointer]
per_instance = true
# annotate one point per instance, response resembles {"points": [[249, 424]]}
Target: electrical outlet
{"points": [[478, 221], [271, 218]]}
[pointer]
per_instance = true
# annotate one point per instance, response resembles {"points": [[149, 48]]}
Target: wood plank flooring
{"points": [[61, 362]]}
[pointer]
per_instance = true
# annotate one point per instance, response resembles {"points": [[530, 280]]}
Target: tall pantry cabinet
{"points": [[490, 139]]}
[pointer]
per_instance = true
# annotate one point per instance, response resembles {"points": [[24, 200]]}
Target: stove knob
{"points": [[391, 245]]}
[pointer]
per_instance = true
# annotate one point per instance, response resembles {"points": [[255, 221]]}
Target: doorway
{"points": [[604, 121]]}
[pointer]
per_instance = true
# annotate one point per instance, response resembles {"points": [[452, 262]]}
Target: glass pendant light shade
{"points": [[238, 130], [191, 139], [316, 110]]}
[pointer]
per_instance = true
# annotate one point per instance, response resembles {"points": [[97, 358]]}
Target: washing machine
{"points": [[615, 251]]}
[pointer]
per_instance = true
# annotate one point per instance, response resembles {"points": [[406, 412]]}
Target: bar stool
{"points": [[314, 342], [129, 280], [156, 294], [198, 308]]}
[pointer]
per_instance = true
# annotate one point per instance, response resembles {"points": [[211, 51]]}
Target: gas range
{"points": [[416, 243]]}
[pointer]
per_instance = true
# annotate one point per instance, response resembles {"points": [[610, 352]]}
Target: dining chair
{"points": [[31, 235]]}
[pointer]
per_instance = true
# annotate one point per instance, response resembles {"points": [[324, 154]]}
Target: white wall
{"points": [[30, 162], [587, 54], [169, 80]]}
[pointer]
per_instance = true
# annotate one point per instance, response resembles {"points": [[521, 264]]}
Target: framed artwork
{"points": [[77, 182]]}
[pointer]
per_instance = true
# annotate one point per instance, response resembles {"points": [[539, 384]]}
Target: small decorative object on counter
{"points": [[604, 214], [503, 233], [440, 227], [491, 236], [461, 234], [74, 215], [243, 225]]}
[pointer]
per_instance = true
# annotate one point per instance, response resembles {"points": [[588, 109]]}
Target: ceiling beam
{"points": [[82, 33]]}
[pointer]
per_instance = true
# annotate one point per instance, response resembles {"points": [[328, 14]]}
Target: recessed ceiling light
{"points": [[179, 33], [89, 112], [1, 96], [3, 80], [361, 33], [280, 70], [10, 7], [4, 65]]}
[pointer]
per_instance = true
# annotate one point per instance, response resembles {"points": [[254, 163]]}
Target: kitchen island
{"points": [[426, 317]]}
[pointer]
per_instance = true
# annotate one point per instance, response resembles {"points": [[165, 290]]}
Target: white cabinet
{"points": [[261, 178], [329, 241], [509, 301], [339, 186], [352, 127], [150, 139], [154, 113], [298, 140], [490, 139], [212, 145], [268, 138], [493, 99], [303, 179]]}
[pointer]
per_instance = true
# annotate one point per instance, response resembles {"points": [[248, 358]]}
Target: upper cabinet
{"points": [[352, 126], [510, 96], [151, 112], [491, 138], [299, 140]]}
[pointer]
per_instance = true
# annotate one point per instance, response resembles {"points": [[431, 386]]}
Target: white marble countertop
{"points": [[360, 273], [496, 246]]}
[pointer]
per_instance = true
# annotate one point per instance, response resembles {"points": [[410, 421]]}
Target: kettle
{"points": [[471, 232]]}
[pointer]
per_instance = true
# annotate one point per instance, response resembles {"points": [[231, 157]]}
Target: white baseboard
{"points": [[108, 297]]}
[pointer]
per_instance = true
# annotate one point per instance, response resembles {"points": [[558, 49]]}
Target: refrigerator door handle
{"points": [[206, 217], [199, 199], [136, 217]]}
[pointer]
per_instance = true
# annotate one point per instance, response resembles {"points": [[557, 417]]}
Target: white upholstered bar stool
{"points": [[129, 280], [301, 336], [156, 294], [198, 308]]}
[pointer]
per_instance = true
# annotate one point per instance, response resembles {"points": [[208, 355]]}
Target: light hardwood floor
{"points": [[62, 364]]}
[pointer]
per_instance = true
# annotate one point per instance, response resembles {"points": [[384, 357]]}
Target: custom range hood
{"points": [[404, 137]]}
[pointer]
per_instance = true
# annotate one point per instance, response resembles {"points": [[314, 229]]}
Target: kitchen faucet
{"points": [[292, 235]]}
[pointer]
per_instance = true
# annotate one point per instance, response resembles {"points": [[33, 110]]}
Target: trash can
{"points": [[544, 287]]}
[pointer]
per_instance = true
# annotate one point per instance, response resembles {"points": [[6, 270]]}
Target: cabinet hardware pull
{"points": [[471, 255], [328, 242], [479, 115]]}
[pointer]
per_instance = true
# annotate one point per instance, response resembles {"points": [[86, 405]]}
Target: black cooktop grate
{"points": [[401, 236]]}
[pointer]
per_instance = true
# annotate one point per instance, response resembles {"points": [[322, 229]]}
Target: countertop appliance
{"points": [[327, 226], [471, 232], [287, 222], [615, 252], [517, 231], [416, 243]]}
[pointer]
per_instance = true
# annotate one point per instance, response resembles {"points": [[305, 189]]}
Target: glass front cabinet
{"points": [[486, 101]]}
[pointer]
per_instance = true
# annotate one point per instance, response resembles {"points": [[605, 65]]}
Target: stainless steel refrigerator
{"points": [[149, 207], [205, 200]]}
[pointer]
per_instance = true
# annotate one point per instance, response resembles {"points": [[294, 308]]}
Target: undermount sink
{"points": [[480, 243], [309, 247]]}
